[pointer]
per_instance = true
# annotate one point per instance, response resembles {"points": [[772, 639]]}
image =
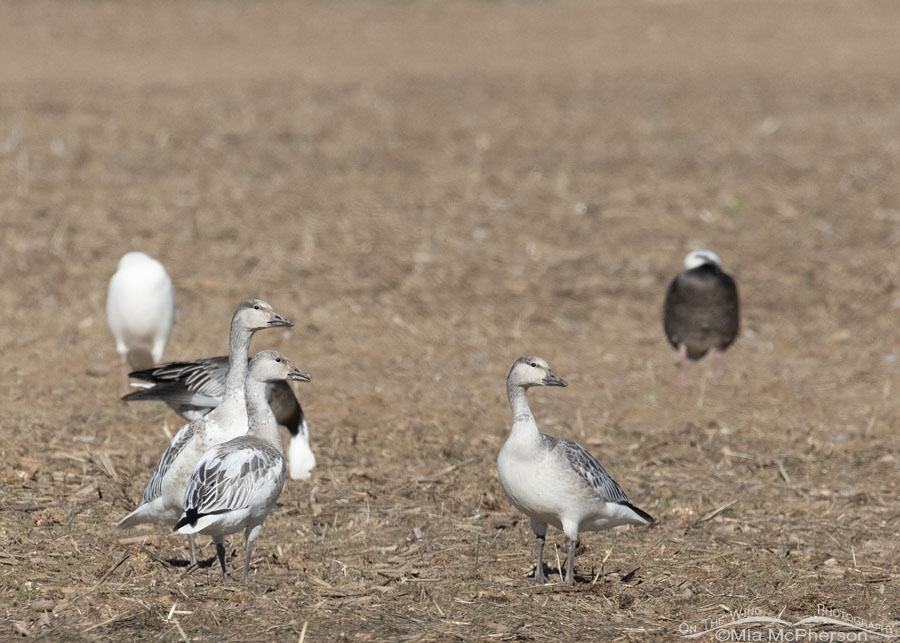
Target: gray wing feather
{"points": [[587, 467], [176, 446], [229, 476], [202, 376]]}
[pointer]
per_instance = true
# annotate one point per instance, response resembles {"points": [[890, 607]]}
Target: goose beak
{"points": [[553, 379], [298, 376], [276, 321]]}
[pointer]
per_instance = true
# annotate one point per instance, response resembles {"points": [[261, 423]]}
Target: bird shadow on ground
{"points": [[608, 577], [183, 563]]}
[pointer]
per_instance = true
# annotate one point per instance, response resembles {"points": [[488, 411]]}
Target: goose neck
{"points": [[261, 420], [238, 356], [518, 401]]}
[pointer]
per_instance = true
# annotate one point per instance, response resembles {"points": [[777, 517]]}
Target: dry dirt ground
{"points": [[431, 189]]}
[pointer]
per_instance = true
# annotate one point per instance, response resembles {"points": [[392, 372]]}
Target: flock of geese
{"points": [[224, 470]]}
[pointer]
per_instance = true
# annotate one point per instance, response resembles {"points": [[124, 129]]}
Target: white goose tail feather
{"points": [[301, 459]]}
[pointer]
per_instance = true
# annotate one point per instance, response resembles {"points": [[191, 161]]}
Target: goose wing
{"points": [[231, 475], [201, 380], [176, 446], [591, 471]]}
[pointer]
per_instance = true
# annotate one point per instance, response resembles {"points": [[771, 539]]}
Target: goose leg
{"points": [[718, 365], [123, 363], [247, 562], [539, 567], [540, 533], [682, 365], [220, 552], [570, 561], [250, 534], [193, 549]]}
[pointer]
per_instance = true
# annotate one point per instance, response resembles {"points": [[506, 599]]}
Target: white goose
{"points": [[193, 389], [555, 481], [235, 485], [140, 310], [161, 502]]}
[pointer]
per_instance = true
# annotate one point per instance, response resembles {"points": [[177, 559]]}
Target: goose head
{"points": [[699, 258], [533, 371], [135, 259], [255, 314], [272, 366], [140, 267]]}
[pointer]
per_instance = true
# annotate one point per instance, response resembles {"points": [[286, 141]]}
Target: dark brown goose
{"points": [[702, 310]]}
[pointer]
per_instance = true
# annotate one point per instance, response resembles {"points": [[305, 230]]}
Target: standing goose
{"points": [[702, 310], [162, 499], [193, 389], [235, 484], [555, 481], [140, 310]]}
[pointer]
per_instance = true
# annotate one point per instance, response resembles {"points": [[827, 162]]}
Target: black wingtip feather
{"points": [[294, 421], [190, 517], [141, 395], [643, 514], [146, 374], [160, 391]]}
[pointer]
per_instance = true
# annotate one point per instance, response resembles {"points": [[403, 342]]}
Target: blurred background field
{"points": [[429, 190]]}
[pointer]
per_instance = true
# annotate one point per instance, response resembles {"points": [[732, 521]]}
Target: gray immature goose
{"points": [[193, 389], [235, 485], [161, 502], [555, 481], [702, 310]]}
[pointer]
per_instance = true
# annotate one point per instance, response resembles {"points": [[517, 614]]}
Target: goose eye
{"points": [[533, 365], [278, 359], [255, 306]]}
